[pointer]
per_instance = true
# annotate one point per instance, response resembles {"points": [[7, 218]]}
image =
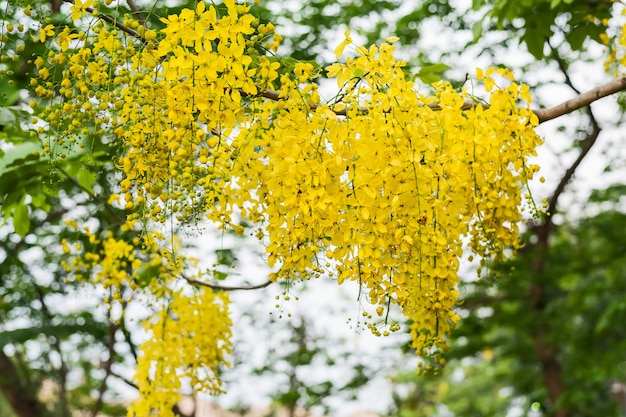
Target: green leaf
{"points": [[6, 117], [428, 73], [554, 3], [534, 44], [219, 275], [477, 30], [433, 68], [86, 179], [612, 193], [147, 274], [225, 257], [59, 331], [577, 37], [9, 94], [21, 220], [16, 156], [429, 78]]}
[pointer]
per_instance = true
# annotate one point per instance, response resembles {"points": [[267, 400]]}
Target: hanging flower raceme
{"points": [[383, 185]]}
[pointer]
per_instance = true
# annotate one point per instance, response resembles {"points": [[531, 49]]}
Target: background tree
{"points": [[90, 178]]}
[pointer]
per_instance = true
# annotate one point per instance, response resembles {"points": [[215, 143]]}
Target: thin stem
{"points": [[226, 288]]}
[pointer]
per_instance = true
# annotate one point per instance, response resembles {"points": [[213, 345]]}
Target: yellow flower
{"points": [[79, 8], [347, 41], [46, 32]]}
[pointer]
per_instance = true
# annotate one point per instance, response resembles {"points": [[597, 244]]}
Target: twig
{"points": [[585, 147], [225, 288], [124, 379], [563, 68], [136, 11], [126, 333], [544, 115], [112, 21]]}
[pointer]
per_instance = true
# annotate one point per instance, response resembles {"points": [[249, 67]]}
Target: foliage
{"points": [[145, 126]]}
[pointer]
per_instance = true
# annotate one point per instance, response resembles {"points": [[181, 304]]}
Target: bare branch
{"points": [[112, 21], [582, 100], [124, 379], [225, 288], [585, 145], [136, 11], [544, 115]]}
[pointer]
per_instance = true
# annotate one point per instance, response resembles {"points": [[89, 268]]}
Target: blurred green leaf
{"points": [[21, 220]]}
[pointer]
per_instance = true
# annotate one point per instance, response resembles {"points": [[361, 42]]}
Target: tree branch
{"points": [[136, 11], [225, 288], [21, 396], [113, 21], [544, 115], [547, 351], [124, 379], [582, 100], [585, 147]]}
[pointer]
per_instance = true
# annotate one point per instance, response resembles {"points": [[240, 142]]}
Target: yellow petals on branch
{"points": [[387, 193], [189, 338]]}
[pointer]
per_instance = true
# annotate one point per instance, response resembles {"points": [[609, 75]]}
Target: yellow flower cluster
{"points": [[380, 185], [616, 45], [189, 336], [188, 341]]}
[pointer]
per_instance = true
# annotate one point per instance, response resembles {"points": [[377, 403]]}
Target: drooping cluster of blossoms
{"points": [[616, 61], [381, 185]]}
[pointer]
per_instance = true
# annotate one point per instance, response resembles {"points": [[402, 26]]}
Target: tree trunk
{"points": [[21, 396], [546, 354]]}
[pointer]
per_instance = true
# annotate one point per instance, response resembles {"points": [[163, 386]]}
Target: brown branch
{"points": [[563, 67], [544, 115], [547, 352], [112, 21], [582, 100], [225, 288], [136, 11], [126, 333], [585, 147]]}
